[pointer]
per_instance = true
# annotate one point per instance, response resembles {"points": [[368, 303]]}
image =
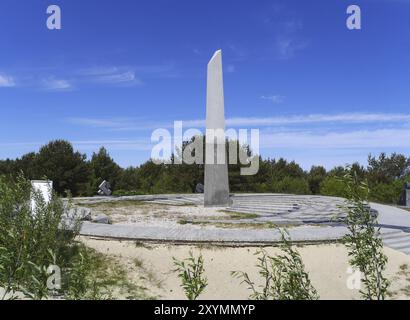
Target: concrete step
{"points": [[400, 247], [244, 210], [392, 236], [263, 206], [397, 241], [267, 208]]}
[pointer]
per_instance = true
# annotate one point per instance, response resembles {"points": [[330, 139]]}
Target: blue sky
{"points": [[117, 70]]}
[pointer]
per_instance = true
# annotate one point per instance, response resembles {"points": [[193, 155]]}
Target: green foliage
{"points": [[33, 240], [190, 271], [387, 193], [56, 161], [103, 168], [365, 246], [84, 280], [30, 241], [284, 276], [72, 173], [387, 169], [61, 164], [129, 181], [291, 185], [315, 178], [333, 186]]}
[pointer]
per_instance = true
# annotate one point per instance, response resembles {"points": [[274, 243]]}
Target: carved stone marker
{"points": [[216, 164], [105, 189], [199, 188], [43, 188], [405, 195]]}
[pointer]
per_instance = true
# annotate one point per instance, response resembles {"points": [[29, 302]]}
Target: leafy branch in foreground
{"points": [[284, 276], [32, 240], [364, 244], [191, 271]]}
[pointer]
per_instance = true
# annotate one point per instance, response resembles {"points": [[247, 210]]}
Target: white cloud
{"points": [[357, 139], [333, 148], [142, 144], [125, 124], [95, 123], [53, 84], [123, 144], [120, 78], [274, 98], [6, 81], [287, 47], [112, 75], [345, 118], [286, 31], [116, 124]]}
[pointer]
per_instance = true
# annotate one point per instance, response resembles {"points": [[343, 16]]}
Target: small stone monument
{"points": [[44, 188], [105, 189], [199, 188], [405, 195]]}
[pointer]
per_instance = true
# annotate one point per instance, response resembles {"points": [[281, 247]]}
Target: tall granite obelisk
{"points": [[216, 162]]}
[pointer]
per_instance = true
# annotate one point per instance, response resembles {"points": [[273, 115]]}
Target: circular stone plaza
{"points": [[251, 219]]}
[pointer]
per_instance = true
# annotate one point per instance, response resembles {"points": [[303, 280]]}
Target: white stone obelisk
{"points": [[216, 162]]}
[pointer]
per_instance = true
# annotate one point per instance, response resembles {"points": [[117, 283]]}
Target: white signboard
{"points": [[45, 188]]}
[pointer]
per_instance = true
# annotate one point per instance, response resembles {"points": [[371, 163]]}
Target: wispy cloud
{"points": [[124, 124], [288, 40], [345, 118], [6, 81], [141, 144], [111, 75], [356, 139], [286, 30], [236, 52], [333, 148], [287, 47], [121, 144], [274, 98], [95, 123], [54, 84], [162, 71], [115, 124], [58, 79]]}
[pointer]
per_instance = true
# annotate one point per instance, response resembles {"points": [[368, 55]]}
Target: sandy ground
{"points": [[151, 266]]}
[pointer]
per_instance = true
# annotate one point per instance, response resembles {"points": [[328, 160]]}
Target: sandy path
{"points": [[326, 264]]}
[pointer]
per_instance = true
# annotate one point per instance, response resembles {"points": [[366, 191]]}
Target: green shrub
{"points": [[333, 186], [190, 271], [387, 193], [284, 276], [364, 243], [291, 185], [32, 241]]}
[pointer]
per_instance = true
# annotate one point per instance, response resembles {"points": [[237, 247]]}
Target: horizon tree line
{"points": [[73, 174]]}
